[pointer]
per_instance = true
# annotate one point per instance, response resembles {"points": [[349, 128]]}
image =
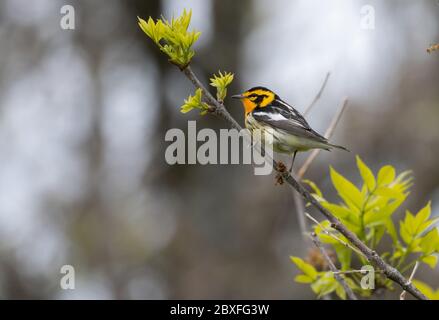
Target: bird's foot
{"points": [[281, 169]]}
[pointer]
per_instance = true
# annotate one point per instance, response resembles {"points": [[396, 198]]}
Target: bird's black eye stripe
{"points": [[261, 98], [258, 97]]}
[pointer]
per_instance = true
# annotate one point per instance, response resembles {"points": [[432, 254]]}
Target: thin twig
{"points": [[358, 271], [371, 255], [333, 268], [328, 134], [298, 200], [330, 234], [300, 209], [319, 94], [402, 296]]}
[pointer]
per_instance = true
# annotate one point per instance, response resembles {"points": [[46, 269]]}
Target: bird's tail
{"points": [[339, 147]]}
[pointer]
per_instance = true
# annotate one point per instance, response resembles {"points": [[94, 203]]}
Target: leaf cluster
{"points": [[195, 102], [172, 37], [221, 82], [368, 211]]}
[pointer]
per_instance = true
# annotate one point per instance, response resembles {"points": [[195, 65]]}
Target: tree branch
{"points": [[300, 211], [402, 296], [298, 202], [328, 134], [328, 233], [358, 271], [371, 255], [333, 268], [319, 94]]}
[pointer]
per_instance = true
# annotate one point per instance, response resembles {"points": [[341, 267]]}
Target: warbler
{"points": [[286, 129]]}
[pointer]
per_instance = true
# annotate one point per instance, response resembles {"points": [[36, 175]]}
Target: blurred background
{"points": [[84, 112]]}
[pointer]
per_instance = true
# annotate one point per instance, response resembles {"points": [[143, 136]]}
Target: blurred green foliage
{"points": [[367, 211], [427, 290]]}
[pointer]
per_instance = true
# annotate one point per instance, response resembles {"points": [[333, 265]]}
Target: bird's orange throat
{"points": [[249, 106]]}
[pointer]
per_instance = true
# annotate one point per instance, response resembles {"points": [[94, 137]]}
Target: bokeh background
{"points": [[83, 115]]}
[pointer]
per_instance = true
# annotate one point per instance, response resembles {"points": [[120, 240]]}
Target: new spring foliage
{"points": [[368, 210], [172, 37]]}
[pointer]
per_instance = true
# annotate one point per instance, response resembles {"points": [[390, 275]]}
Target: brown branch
{"points": [[298, 201], [358, 271], [330, 234], [300, 210], [333, 268], [319, 94], [371, 255], [402, 296]]}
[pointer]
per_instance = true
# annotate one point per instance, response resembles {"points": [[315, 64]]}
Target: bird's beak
{"points": [[238, 96]]}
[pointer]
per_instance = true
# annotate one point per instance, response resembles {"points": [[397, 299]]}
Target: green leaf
{"points": [[306, 268], [185, 108], [302, 278], [414, 246], [346, 190], [387, 192], [413, 226], [325, 284], [426, 289], [376, 233], [153, 30], [430, 242], [380, 216], [342, 212], [318, 229], [431, 261], [221, 82], [427, 224], [194, 102], [313, 187], [341, 293], [173, 38], [386, 175], [366, 174], [403, 232], [391, 230], [344, 255], [421, 217], [409, 223], [404, 180], [351, 283], [348, 216]]}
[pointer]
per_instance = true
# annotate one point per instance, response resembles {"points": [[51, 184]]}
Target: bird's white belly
{"points": [[281, 141]]}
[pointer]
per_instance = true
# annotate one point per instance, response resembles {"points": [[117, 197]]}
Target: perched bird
{"points": [[286, 128]]}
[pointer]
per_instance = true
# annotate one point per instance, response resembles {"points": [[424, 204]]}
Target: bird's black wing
{"points": [[288, 112], [281, 115]]}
